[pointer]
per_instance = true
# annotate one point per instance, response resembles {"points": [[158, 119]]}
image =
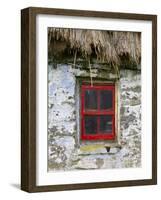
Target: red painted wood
{"points": [[98, 112], [95, 112]]}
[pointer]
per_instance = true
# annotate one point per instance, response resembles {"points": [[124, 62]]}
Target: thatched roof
{"points": [[106, 46]]}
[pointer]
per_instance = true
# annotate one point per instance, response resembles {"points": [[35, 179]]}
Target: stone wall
{"points": [[65, 149]]}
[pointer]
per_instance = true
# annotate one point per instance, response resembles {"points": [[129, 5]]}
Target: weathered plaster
{"points": [[65, 149]]}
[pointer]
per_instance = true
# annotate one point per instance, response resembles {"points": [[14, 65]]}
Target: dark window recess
{"points": [[91, 99], [98, 112], [105, 124], [91, 124], [106, 99]]}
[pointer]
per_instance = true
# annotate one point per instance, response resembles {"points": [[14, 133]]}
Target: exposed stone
{"points": [[99, 162], [65, 150], [114, 150], [60, 151], [86, 162]]}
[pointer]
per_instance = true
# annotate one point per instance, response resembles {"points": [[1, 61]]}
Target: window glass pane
{"points": [[105, 99], [90, 124], [105, 124], [91, 99]]}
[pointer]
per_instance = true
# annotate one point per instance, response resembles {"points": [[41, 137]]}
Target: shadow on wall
{"points": [[15, 185]]}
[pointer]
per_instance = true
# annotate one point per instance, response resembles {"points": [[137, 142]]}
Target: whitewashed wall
{"points": [[65, 150]]}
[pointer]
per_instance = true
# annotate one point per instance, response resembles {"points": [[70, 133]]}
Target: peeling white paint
{"points": [[64, 150]]}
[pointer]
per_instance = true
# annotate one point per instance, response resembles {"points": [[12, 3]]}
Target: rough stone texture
{"points": [[65, 150]]}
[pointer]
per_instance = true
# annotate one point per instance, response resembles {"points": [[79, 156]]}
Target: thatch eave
{"points": [[106, 46]]}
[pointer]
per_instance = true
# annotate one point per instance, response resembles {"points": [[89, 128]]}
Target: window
{"points": [[98, 112]]}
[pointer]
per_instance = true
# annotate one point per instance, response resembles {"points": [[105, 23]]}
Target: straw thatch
{"points": [[106, 46]]}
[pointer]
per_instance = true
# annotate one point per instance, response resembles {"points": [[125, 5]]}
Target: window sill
{"points": [[88, 149]]}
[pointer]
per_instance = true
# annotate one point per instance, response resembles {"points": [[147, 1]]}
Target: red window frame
{"points": [[98, 112]]}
